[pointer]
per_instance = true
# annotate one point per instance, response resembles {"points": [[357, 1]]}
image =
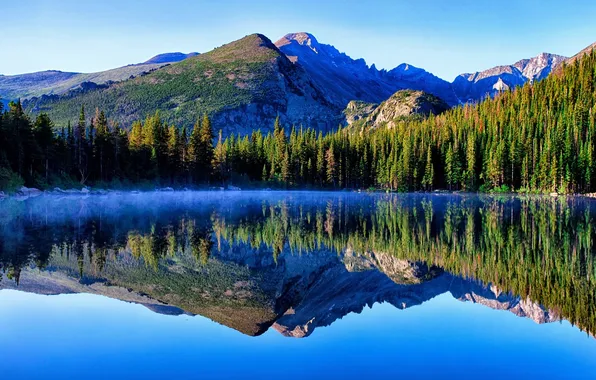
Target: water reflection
{"points": [[298, 261]]}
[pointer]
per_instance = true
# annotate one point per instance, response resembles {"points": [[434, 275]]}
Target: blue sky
{"points": [[443, 37]]}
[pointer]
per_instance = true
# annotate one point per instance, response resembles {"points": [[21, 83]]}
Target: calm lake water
{"points": [[303, 285]]}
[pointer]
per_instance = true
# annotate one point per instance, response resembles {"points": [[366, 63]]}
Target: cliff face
{"points": [[404, 104]]}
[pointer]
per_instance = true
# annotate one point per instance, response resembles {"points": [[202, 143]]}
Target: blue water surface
{"points": [[95, 337]]}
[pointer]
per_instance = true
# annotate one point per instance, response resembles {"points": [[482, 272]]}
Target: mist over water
{"points": [[309, 265]]}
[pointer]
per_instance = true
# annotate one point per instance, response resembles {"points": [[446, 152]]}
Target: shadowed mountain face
{"points": [[345, 79], [299, 261]]}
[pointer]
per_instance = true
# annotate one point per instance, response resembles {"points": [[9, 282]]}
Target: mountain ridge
{"points": [[348, 79]]}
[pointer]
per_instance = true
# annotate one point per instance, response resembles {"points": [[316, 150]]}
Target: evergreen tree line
{"points": [[539, 137], [100, 153]]}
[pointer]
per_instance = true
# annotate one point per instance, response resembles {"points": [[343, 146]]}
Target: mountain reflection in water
{"points": [[296, 261]]}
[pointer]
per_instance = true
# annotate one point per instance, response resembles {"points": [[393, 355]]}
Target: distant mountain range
{"points": [[474, 87], [246, 84], [58, 82]]}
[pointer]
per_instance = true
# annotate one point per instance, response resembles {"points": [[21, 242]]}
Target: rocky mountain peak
{"points": [[539, 67], [405, 67], [301, 38]]}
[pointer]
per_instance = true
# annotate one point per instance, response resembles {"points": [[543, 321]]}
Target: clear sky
{"points": [[444, 37]]}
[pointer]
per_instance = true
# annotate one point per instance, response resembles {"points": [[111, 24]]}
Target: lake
{"points": [[302, 285]]}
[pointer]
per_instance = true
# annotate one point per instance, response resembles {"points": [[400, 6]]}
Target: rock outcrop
{"points": [[402, 105], [358, 110]]}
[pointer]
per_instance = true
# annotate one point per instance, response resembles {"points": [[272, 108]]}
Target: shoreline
{"points": [[26, 193]]}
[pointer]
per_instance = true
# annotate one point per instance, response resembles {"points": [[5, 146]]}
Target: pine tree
{"points": [[320, 167], [285, 168], [44, 136], [195, 159], [220, 159], [429, 171], [81, 146], [331, 165], [206, 147], [470, 172], [174, 153], [103, 144]]}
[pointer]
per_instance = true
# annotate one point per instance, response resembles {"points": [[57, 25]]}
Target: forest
{"points": [[536, 138]]}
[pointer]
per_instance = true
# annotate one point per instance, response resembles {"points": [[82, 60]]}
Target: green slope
{"points": [[243, 85]]}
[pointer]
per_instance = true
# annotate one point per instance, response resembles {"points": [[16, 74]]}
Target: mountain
{"points": [[246, 84], [246, 290], [345, 79], [243, 86], [169, 58], [476, 86], [57, 82], [403, 104]]}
